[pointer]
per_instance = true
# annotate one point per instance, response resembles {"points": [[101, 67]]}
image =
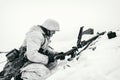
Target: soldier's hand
{"points": [[51, 58]]}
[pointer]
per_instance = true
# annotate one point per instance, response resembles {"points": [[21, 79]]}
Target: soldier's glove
{"points": [[60, 56], [51, 58]]}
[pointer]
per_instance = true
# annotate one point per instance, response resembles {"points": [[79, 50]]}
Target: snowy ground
{"points": [[99, 64]]}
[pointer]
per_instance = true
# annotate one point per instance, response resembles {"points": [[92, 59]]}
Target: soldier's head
{"points": [[51, 26]]}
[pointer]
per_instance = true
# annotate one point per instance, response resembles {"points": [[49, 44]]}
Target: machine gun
{"points": [[80, 44]]}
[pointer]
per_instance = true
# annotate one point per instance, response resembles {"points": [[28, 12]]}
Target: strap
{"points": [[44, 40]]}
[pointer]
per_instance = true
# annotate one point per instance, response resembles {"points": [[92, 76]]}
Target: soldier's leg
{"points": [[35, 72]]}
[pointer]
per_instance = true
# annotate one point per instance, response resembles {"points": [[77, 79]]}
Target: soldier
{"points": [[38, 51]]}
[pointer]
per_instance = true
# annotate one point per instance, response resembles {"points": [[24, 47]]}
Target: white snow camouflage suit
{"points": [[34, 41]]}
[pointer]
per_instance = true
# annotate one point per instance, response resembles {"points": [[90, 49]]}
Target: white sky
{"points": [[17, 16]]}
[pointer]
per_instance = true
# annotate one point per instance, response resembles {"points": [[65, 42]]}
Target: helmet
{"points": [[51, 25]]}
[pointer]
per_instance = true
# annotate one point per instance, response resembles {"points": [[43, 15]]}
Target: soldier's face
{"points": [[51, 33]]}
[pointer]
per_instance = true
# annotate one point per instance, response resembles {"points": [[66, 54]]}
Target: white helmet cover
{"points": [[51, 25]]}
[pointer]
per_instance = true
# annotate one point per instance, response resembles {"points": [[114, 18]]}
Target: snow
{"points": [[102, 63]]}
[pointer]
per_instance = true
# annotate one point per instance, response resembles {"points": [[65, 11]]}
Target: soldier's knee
{"points": [[35, 72]]}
